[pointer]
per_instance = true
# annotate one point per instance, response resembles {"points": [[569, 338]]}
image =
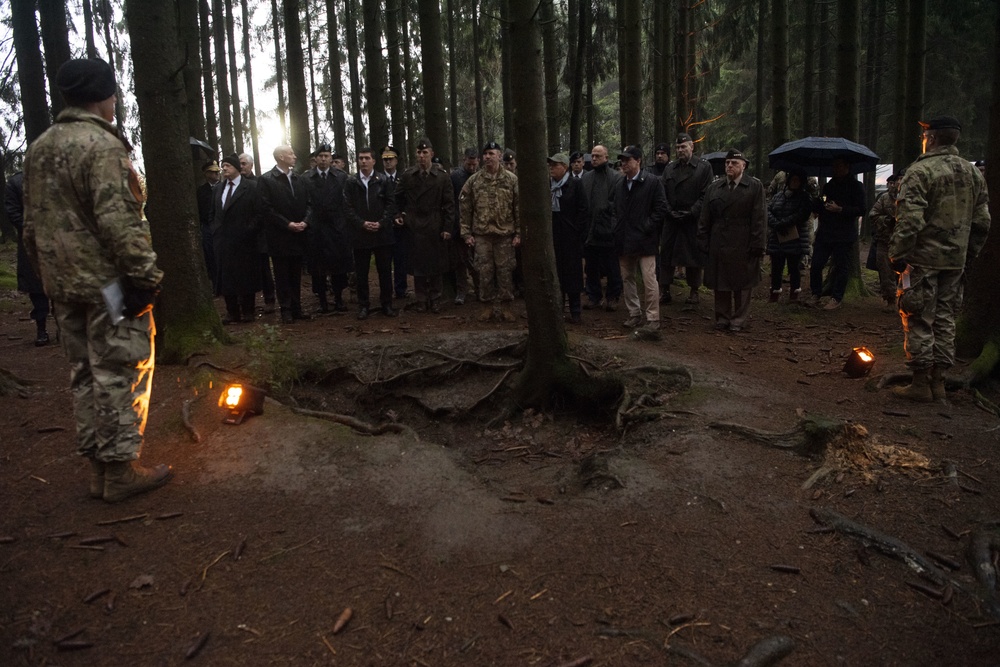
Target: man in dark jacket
{"points": [[235, 231], [842, 203], [569, 225], [27, 280], [370, 212], [732, 232], [329, 235], [599, 256], [460, 254], [425, 203], [641, 207], [206, 213], [684, 183], [284, 200]]}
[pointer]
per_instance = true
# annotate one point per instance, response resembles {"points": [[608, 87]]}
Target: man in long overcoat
{"points": [[684, 183], [329, 236], [569, 229], [370, 211], [732, 231], [426, 204], [234, 231]]}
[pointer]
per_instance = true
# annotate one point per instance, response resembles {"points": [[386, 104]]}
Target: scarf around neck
{"points": [[556, 188]]}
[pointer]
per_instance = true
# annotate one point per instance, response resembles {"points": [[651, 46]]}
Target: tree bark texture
{"points": [[221, 78], [88, 28], [251, 106], [406, 25], [435, 113], [578, 48], [631, 102], [205, 40], [336, 58], [378, 123], [234, 78], [477, 73], [915, 69], [55, 40], [298, 106], [353, 57], [809, 31], [757, 165], [902, 134], [189, 37], [279, 70], [507, 57], [30, 71], [312, 76], [681, 72], [824, 76], [394, 37], [550, 48], [779, 72], [452, 76], [848, 67], [186, 316]]}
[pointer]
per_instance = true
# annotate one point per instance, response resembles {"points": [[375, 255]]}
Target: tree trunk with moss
{"points": [[547, 369], [186, 317], [979, 326]]}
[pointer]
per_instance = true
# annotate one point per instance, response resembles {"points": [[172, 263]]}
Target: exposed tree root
{"points": [[765, 653], [11, 384], [357, 425], [809, 437], [186, 418], [985, 404]]}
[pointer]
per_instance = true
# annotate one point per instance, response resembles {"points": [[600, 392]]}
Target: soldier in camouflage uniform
{"points": [[942, 219], [488, 204], [83, 231], [883, 220]]}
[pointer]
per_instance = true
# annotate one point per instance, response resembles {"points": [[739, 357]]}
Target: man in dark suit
{"points": [[234, 234], [284, 199], [206, 213], [370, 211], [329, 235]]}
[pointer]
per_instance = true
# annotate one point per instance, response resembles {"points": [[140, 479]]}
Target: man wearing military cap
{"points": [[426, 207], [401, 249], [489, 225], [510, 161], [732, 233], [685, 181], [576, 165], [84, 233], [329, 235], [942, 220], [661, 157]]}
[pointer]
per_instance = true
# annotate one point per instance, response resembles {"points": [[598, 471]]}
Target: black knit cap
{"points": [[233, 160], [86, 80]]}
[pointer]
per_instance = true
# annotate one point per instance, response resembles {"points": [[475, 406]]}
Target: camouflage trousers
{"points": [[111, 378], [928, 308], [494, 262]]}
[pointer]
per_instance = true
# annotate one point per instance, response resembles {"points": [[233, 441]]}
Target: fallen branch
{"points": [[356, 424]]}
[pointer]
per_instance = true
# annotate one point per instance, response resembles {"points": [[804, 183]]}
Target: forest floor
{"points": [[545, 539]]}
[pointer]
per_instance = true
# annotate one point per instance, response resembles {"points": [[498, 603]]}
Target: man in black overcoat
{"points": [[330, 238], [234, 229]]}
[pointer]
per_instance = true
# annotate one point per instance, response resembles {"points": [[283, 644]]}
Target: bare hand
{"points": [[470, 241], [446, 235], [517, 241], [834, 207]]}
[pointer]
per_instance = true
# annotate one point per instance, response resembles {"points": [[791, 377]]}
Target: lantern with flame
{"points": [[859, 363], [240, 401]]}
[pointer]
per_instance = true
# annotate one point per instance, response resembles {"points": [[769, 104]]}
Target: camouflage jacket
{"points": [[883, 217], [489, 204], [83, 224], [942, 215]]}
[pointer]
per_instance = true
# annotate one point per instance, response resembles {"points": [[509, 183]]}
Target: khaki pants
{"points": [[111, 378], [630, 266]]}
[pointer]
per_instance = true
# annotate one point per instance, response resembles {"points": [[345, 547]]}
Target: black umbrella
{"points": [[814, 155], [198, 147], [717, 160]]}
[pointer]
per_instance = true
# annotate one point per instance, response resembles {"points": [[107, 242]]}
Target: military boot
{"points": [[937, 384], [486, 314], [507, 312], [919, 390], [124, 479], [96, 478]]}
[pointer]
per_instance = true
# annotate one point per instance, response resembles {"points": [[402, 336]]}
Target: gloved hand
{"points": [[138, 300]]}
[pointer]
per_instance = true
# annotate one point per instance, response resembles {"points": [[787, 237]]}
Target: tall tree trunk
{"points": [[312, 75], [115, 59], [658, 69], [234, 78], [631, 103], [88, 28], [902, 134], [507, 64], [586, 31], [452, 76], [221, 78], [579, 48], [546, 362], [757, 166], [550, 48], [779, 70], [824, 74], [406, 25], [378, 124], [435, 116], [916, 57], [30, 70], [809, 32], [848, 62], [683, 76], [205, 36], [279, 70], [55, 39], [979, 327], [393, 39], [186, 316], [353, 56], [298, 105], [189, 37], [477, 70], [251, 107]]}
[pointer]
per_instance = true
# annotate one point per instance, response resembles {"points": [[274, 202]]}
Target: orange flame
{"points": [[140, 400]]}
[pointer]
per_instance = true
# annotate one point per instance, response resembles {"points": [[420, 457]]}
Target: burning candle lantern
{"points": [[240, 401], [859, 363]]}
